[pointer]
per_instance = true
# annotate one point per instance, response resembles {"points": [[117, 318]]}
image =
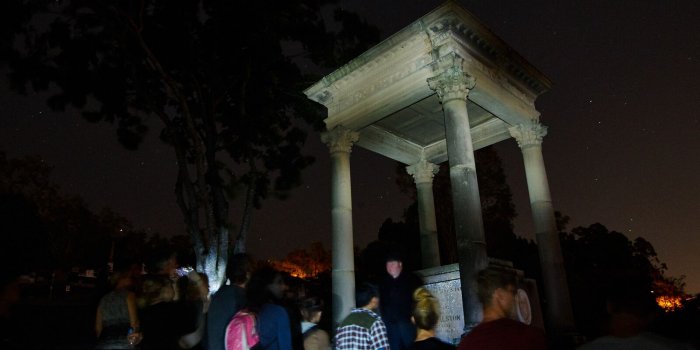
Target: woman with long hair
{"points": [[263, 292]]}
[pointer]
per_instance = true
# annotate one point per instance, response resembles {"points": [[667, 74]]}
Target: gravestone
{"points": [[443, 282]]}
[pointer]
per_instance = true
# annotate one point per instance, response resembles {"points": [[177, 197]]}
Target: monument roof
{"points": [[383, 93]]}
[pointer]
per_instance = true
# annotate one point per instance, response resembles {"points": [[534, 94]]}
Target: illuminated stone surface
{"points": [[340, 141], [444, 282], [436, 91], [423, 173]]}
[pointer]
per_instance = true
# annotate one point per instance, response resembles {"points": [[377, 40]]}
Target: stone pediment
{"points": [[384, 94]]}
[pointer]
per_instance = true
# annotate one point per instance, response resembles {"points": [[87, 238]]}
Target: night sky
{"points": [[623, 144]]}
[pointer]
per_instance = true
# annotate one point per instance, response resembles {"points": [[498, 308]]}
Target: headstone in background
{"points": [[444, 283]]}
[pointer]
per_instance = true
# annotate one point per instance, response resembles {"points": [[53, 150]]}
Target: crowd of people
{"points": [[400, 314], [163, 310], [166, 310]]}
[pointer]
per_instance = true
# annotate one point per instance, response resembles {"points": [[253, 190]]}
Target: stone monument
{"points": [[444, 283], [436, 91]]}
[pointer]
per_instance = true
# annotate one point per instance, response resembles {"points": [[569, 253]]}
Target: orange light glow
{"points": [[669, 303], [290, 268]]}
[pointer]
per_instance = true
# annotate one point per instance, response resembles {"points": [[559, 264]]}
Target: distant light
{"points": [[669, 303]]}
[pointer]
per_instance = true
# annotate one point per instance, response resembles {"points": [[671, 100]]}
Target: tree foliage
{"points": [[315, 260], [596, 259], [217, 75], [42, 228], [400, 238], [497, 207], [599, 260], [306, 262]]}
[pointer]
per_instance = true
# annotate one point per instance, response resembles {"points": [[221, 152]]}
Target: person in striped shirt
{"points": [[363, 328]]}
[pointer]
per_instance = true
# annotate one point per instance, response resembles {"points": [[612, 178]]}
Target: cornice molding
{"points": [[453, 26]]}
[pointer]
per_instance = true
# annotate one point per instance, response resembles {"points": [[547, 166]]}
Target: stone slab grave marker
{"points": [[444, 283]]}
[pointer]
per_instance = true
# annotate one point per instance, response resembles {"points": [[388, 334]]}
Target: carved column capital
{"points": [[423, 171], [340, 139], [528, 134], [451, 82]]}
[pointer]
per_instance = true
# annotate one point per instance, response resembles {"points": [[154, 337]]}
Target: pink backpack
{"points": [[241, 333]]}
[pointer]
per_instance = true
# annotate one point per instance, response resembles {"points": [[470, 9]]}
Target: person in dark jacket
{"points": [[163, 321], [228, 300], [263, 293], [396, 295]]}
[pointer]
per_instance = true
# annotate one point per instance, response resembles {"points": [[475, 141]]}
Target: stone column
{"points": [[423, 173], [558, 304], [340, 141], [452, 86]]}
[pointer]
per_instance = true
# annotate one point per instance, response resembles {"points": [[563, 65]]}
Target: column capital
{"points": [[340, 139], [528, 134], [423, 171], [451, 82]]}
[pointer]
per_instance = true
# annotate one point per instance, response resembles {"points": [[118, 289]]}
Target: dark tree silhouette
{"points": [[599, 260], [23, 238], [42, 228], [220, 76], [498, 211]]}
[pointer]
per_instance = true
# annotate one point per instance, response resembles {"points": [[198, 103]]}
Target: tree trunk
{"points": [[240, 244]]}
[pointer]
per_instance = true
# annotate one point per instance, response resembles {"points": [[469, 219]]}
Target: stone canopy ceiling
{"points": [[383, 94]]}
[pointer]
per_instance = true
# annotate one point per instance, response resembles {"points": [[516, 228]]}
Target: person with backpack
{"points": [[242, 333], [227, 301], [262, 324], [314, 337]]}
